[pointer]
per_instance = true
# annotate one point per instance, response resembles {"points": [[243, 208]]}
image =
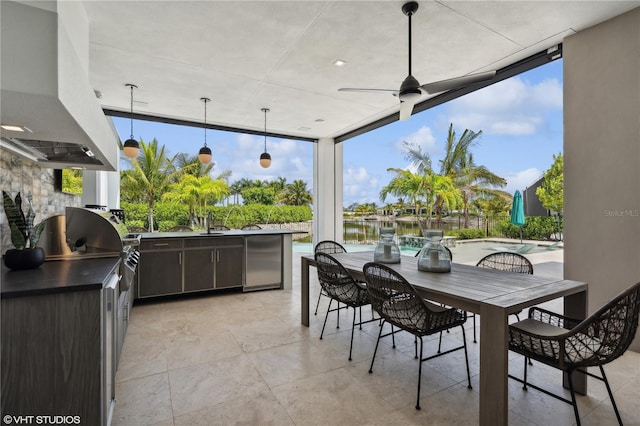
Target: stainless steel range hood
{"points": [[46, 89]]}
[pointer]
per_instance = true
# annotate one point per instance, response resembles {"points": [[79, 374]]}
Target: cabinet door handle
{"points": [[211, 256], [218, 255], [179, 258], [160, 244]]}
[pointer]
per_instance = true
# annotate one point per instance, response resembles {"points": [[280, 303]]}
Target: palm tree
{"points": [[152, 174], [296, 194], [469, 178], [411, 185], [197, 192]]}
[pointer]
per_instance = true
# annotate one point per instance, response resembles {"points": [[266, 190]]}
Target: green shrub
{"points": [[535, 228], [467, 234]]}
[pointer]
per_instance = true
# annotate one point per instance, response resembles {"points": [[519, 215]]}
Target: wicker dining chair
{"points": [[398, 303], [339, 285], [504, 261], [573, 345], [250, 226], [180, 228], [329, 247]]}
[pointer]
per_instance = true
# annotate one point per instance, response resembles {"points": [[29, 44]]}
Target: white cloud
{"points": [[423, 137], [510, 107], [290, 159], [522, 179], [359, 186]]}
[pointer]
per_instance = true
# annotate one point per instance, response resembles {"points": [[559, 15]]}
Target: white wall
{"points": [[602, 157]]}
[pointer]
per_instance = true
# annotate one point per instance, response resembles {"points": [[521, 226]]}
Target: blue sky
{"points": [[520, 119]]}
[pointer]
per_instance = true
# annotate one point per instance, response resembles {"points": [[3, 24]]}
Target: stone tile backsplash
{"points": [[18, 174]]}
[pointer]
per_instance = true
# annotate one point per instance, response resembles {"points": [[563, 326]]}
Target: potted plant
{"points": [[24, 235]]}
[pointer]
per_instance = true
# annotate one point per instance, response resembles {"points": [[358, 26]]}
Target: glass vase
{"points": [[434, 257], [387, 251]]}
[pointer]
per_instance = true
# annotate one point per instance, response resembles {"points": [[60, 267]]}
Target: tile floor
{"points": [[244, 358]]}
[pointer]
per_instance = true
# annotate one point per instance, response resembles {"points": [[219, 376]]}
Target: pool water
{"points": [[462, 252]]}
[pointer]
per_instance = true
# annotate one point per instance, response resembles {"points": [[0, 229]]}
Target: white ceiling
{"points": [[246, 55]]}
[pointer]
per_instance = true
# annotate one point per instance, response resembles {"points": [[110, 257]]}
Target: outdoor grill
{"points": [[83, 233]]}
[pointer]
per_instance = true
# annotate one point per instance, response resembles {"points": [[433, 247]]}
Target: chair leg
{"points": [[524, 382], [325, 318], [466, 356], [393, 337], [419, 375], [415, 345], [440, 342], [613, 402], [354, 315], [474, 329], [338, 320], [318, 303], [353, 326], [376, 349], [573, 397]]}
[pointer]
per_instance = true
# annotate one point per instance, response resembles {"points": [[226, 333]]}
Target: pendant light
{"points": [[204, 155], [265, 158], [131, 146]]}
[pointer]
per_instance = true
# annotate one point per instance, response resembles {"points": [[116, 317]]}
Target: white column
{"points": [[327, 191]]}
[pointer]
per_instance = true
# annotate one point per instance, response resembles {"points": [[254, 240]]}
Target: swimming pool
{"points": [[470, 251]]}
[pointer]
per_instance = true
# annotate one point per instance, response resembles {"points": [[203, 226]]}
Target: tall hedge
{"points": [[167, 215]]}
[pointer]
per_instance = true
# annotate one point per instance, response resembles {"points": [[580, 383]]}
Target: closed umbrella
{"points": [[517, 211]]}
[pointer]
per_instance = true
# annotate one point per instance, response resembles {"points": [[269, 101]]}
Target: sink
{"points": [[212, 233]]}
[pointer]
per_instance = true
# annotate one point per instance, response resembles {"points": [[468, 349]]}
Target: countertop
{"points": [[56, 276], [213, 234]]}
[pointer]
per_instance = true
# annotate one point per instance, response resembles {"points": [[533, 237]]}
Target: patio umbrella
{"points": [[517, 211]]}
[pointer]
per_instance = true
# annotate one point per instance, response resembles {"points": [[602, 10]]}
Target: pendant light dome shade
{"points": [[265, 157], [131, 146], [265, 160], [205, 155]]}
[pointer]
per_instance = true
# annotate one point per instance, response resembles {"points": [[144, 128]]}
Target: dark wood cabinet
{"points": [[160, 267], [183, 265]]}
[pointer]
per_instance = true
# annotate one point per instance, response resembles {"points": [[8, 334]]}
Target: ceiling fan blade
{"points": [[406, 108], [455, 83], [351, 89]]}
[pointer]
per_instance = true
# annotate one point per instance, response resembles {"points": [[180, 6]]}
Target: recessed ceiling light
{"points": [[12, 128], [339, 62], [303, 129], [319, 120]]}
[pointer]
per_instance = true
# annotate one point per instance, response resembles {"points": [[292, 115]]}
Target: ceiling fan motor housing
{"points": [[410, 89]]}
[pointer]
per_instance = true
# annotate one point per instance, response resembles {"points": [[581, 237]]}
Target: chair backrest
{"points": [[607, 333], [506, 261], [329, 246], [334, 278], [251, 226], [180, 228], [220, 228], [136, 229], [395, 299]]}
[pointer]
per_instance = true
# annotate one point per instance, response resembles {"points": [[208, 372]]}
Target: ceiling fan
{"points": [[411, 90]]}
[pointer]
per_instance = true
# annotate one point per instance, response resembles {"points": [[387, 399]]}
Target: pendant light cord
{"points": [[205, 121], [266, 110], [131, 85]]}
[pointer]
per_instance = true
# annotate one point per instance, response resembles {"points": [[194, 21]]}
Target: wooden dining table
{"points": [[490, 293]]}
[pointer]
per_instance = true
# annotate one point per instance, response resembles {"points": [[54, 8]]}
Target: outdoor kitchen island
{"points": [[173, 263]]}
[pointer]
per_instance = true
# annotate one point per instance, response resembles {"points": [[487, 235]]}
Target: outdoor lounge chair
{"points": [[573, 345]]}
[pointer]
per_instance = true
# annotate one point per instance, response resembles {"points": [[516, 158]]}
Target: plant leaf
{"points": [[14, 211], [17, 237], [35, 234]]}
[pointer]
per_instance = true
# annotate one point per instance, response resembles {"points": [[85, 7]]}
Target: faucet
{"points": [[209, 222]]}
